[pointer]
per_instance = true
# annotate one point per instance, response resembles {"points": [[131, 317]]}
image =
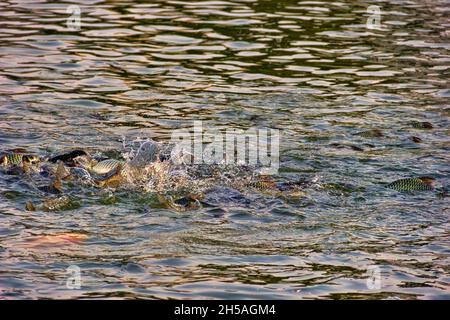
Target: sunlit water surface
{"points": [[311, 69]]}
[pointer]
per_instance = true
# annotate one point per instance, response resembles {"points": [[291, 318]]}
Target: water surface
{"points": [[309, 68]]}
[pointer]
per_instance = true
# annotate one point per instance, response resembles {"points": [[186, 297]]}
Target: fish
{"points": [[84, 161], [189, 202], [372, 133], [80, 173], [412, 184], [262, 185], [339, 188], [18, 159], [293, 189], [105, 166], [69, 157], [299, 184], [265, 183], [17, 164], [421, 124], [113, 179], [11, 159], [61, 171], [51, 204], [415, 139]]}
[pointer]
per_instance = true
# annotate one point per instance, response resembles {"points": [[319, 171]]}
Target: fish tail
{"points": [[4, 160]]}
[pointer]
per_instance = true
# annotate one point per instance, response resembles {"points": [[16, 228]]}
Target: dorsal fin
{"points": [[61, 171]]}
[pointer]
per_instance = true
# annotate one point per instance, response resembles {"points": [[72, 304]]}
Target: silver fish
{"points": [[80, 173], [105, 166]]}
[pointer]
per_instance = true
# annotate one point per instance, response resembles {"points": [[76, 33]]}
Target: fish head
{"points": [[428, 180], [31, 159], [84, 161]]}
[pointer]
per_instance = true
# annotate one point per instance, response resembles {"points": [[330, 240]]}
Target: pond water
{"points": [[314, 70]]}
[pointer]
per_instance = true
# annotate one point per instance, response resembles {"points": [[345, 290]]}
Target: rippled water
{"points": [[309, 68]]}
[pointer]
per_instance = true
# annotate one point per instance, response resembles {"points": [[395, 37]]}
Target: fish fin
{"points": [[169, 202], [29, 206], [61, 171]]}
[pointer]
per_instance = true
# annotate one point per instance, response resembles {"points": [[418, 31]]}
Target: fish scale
{"points": [[262, 185], [409, 184], [13, 159], [106, 166], [51, 204]]}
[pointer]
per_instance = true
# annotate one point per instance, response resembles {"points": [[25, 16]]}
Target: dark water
{"points": [[311, 69]]}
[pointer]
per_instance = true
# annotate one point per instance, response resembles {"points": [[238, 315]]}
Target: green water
{"points": [[311, 69]]}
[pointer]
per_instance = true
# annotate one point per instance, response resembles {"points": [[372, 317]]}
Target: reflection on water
{"points": [[312, 69]]}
